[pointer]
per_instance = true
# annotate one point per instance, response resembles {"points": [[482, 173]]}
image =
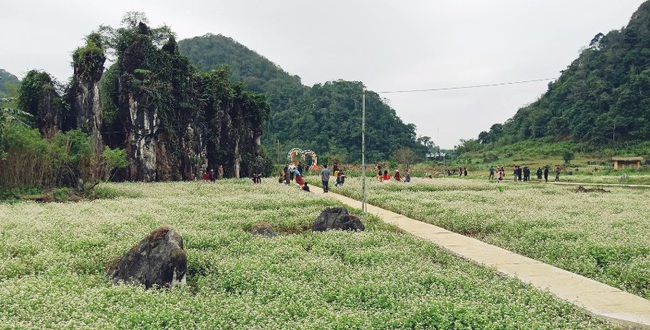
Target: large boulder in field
{"points": [[337, 218], [158, 260], [263, 229]]}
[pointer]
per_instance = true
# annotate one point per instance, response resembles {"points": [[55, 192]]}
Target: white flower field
{"points": [[601, 235], [52, 257]]}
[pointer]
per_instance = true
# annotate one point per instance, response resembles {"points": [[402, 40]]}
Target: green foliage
{"points": [[601, 99], [325, 118], [405, 156], [113, 159], [89, 60], [567, 156], [61, 194], [40, 98], [8, 84], [14, 194], [32, 160]]}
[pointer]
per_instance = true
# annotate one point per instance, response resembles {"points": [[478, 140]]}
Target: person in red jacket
{"points": [[397, 177], [386, 175]]}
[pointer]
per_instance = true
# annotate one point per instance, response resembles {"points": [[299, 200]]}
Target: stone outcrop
{"points": [[337, 218], [263, 229], [157, 261], [85, 99]]}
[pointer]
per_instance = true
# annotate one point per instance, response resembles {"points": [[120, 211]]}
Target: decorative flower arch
{"points": [[303, 156]]}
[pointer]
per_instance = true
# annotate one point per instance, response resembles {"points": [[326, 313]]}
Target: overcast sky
{"points": [[388, 45]]}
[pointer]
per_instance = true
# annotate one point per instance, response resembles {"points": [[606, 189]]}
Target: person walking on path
{"points": [[526, 174], [325, 178], [557, 174], [340, 179], [546, 173]]}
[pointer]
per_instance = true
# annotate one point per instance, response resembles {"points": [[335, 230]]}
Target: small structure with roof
{"points": [[629, 161]]}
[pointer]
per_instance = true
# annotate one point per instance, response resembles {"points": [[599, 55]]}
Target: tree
{"points": [[431, 148], [567, 155], [405, 156], [39, 97], [484, 137]]}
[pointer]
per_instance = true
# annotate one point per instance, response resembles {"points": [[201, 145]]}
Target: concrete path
{"points": [[600, 300]]}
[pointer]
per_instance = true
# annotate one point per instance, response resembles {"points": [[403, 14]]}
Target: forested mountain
{"points": [[603, 97], [325, 118], [7, 82]]}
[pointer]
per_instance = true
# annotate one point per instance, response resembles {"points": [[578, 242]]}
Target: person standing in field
{"points": [[220, 172], [213, 176], [557, 174], [325, 178], [539, 174], [287, 177], [491, 177], [397, 177], [546, 173], [407, 177], [386, 175], [526, 174]]}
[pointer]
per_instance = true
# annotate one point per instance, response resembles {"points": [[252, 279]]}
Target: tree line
{"points": [[325, 117]]}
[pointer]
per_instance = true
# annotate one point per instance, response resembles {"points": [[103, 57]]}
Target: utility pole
{"points": [[363, 150]]}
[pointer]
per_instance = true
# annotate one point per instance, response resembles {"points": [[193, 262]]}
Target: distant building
{"points": [[629, 161]]}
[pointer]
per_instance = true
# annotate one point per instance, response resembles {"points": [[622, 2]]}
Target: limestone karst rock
{"points": [[337, 218], [157, 261]]}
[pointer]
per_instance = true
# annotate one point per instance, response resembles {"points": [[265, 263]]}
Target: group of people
{"points": [[295, 173], [385, 176], [212, 176], [523, 174], [338, 174]]}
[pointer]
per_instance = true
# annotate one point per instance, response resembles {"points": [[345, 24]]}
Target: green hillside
{"points": [[325, 117], [601, 100], [8, 83]]}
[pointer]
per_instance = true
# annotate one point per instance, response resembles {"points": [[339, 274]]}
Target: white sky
{"points": [[388, 45]]}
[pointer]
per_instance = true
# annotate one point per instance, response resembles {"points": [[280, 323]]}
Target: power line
{"points": [[466, 87]]}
